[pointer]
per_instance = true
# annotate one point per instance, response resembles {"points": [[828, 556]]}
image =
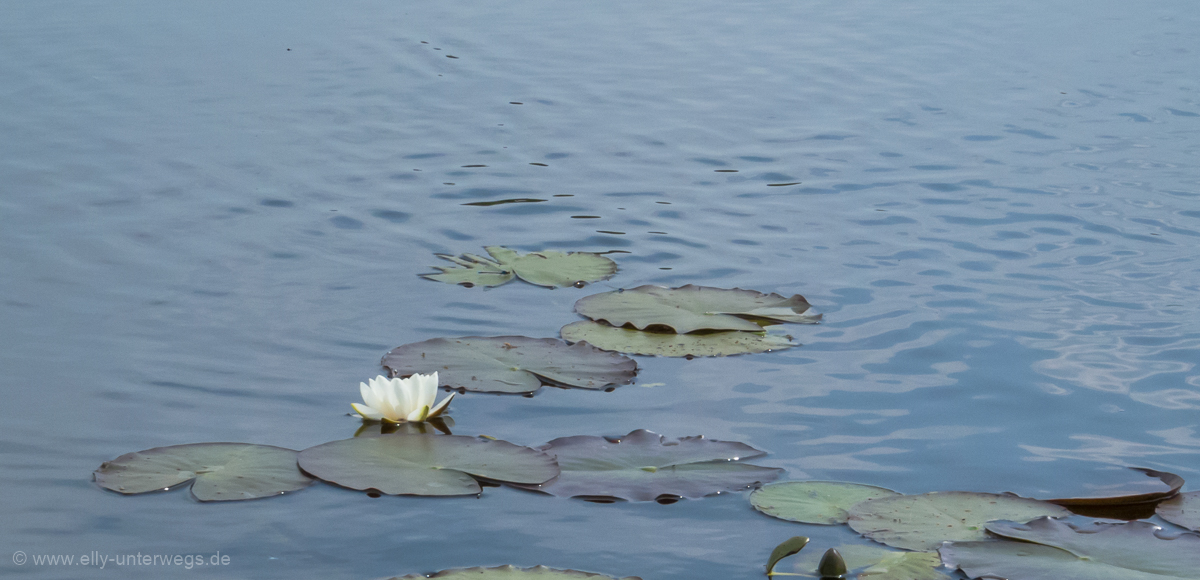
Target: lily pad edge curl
{"points": [[215, 471]]}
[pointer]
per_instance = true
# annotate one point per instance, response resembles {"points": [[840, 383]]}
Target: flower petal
{"points": [[441, 407], [427, 386], [367, 412], [368, 395], [419, 415], [402, 396]]}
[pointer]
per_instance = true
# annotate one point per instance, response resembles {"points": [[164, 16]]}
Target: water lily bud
{"points": [[832, 565]]}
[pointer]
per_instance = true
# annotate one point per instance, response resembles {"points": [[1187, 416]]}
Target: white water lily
{"points": [[401, 400]]}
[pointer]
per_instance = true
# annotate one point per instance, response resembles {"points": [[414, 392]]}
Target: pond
{"points": [[214, 216]]}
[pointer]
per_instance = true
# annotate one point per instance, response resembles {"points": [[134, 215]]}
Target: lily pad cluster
{"points": [[547, 268], [987, 534], [686, 321], [641, 466]]}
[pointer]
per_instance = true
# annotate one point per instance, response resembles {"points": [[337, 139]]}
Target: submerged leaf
{"points": [[644, 466], [222, 471], [786, 548], [511, 573], [1182, 510], [922, 522], [691, 308], [547, 268], [813, 502], [511, 364], [413, 464], [1125, 507], [668, 344], [1062, 551]]}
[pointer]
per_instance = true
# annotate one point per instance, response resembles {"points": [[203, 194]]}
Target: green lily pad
{"points": [[923, 522], [511, 364], [905, 566], [222, 471], [1062, 551], [691, 308], [472, 271], [413, 464], [631, 341], [512, 573], [1182, 510], [879, 563], [814, 502], [644, 466], [547, 268]]}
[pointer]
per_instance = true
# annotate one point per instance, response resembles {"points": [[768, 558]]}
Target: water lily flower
{"points": [[401, 400]]}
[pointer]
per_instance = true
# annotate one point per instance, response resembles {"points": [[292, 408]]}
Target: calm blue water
{"points": [[212, 218]]}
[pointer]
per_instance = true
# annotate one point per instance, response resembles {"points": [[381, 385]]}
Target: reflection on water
{"points": [[214, 216]]}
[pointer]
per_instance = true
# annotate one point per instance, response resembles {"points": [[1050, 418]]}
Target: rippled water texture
{"points": [[213, 214]]}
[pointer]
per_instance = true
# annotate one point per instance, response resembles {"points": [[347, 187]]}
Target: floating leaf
{"points": [[668, 344], [547, 268], [1182, 510], [1125, 507], [922, 522], [875, 562], [511, 364], [787, 548], [556, 269], [222, 471], [511, 573], [691, 308], [813, 502], [412, 464], [644, 466], [905, 566], [1100, 551], [472, 271]]}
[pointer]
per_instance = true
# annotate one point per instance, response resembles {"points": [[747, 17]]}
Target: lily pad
{"points": [[669, 344], [691, 308], [547, 268], [512, 573], [875, 562], [814, 502], [644, 466], [1182, 510], [1062, 551], [511, 364], [472, 271], [222, 471], [1125, 507], [922, 522], [413, 464]]}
